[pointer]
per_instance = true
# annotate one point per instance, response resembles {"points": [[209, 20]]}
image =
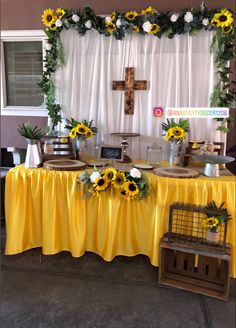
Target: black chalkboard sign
{"points": [[110, 152]]}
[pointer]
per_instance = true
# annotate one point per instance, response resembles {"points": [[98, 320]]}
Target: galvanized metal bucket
{"points": [[33, 157]]}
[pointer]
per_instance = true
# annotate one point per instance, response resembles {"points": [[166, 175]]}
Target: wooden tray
{"points": [[64, 165], [176, 172]]}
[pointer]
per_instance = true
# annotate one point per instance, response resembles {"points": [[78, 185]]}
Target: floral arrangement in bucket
{"points": [[130, 184], [175, 134], [213, 222], [81, 130], [175, 131]]}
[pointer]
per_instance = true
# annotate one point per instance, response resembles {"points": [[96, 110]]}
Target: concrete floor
{"points": [[40, 291]]}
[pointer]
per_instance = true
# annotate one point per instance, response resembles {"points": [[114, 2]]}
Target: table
{"points": [[45, 209]]}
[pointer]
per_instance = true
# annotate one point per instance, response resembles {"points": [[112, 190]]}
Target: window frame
{"points": [[19, 35]]}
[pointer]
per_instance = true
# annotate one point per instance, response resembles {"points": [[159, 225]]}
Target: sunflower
{"points": [[73, 133], [101, 183], [81, 128], [119, 180], [148, 11], [227, 29], [131, 188], [111, 27], [224, 18], [169, 134], [210, 222], [136, 29], [93, 190], [124, 195], [60, 13], [89, 133], [113, 15], [48, 17], [110, 173], [131, 15], [155, 28], [53, 26], [177, 132]]}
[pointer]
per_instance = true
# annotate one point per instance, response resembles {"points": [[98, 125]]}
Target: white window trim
{"points": [[19, 35]]}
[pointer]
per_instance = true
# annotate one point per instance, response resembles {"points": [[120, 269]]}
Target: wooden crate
{"points": [[62, 148], [197, 268]]}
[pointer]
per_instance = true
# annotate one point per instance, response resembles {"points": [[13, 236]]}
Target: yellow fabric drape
{"points": [[46, 209]]}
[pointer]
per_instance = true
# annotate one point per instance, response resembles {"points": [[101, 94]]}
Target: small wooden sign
{"points": [[110, 152]]}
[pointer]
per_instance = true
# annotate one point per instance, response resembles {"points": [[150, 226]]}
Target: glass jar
{"points": [[153, 155], [48, 147]]}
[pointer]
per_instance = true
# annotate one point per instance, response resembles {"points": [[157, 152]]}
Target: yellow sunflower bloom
{"points": [[101, 183], [113, 15], [81, 128], [119, 180], [89, 133], [110, 173], [224, 18], [131, 15], [148, 11], [169, 135], [110, 27], [155, 28], [136, 29], [227, 29], [210, 222], [60, 13], [48, 17], [177, 132], [73, 133], [124, 195], [131, 188], [53, 26]]}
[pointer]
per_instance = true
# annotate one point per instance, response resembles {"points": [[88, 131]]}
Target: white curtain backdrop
{"points": [[180, 73]]}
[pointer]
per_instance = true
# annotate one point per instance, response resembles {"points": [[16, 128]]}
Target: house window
{"points": [[22, 67]]}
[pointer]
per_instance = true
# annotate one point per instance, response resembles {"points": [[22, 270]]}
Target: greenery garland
{"points": [[149, 21]]}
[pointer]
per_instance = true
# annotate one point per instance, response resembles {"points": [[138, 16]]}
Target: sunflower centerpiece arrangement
{"points": [[175, 134], [130, 184], [213, 223], [80, 131]]}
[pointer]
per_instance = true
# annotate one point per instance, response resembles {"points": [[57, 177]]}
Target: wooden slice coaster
{"points": [[176, 172], [64, 165]]}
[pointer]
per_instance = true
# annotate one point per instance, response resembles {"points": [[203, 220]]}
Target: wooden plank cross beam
{"points": [[129, 86]]}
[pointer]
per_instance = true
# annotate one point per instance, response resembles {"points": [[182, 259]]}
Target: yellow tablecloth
{"points": [[45, 209]]}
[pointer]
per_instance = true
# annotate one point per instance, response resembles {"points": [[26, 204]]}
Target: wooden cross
{"points": [[129, 86]]}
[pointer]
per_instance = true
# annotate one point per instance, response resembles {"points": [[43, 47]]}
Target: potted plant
{"points": [[32, 134], [213, 222]]}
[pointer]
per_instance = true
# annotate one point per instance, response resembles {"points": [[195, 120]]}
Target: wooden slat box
{"points": [[197, 268]]}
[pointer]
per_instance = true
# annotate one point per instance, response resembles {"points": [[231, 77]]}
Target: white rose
{"points": [[48, 46], [135, 173], [118, 23], [58, 23], [45, 69], [95, 175], [188, 17], [147, 26], [108, 19], [205, 21], [88, 24], [174, 17], [75, 18]]}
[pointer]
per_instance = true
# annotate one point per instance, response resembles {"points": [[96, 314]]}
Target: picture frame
{"points": [[111, 153]]}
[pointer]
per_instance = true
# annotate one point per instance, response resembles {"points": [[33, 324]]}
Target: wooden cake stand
{"points": [[124, 144]]}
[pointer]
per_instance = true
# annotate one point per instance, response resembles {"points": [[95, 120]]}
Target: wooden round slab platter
{"points": [[176, 172], [64, 165]]}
